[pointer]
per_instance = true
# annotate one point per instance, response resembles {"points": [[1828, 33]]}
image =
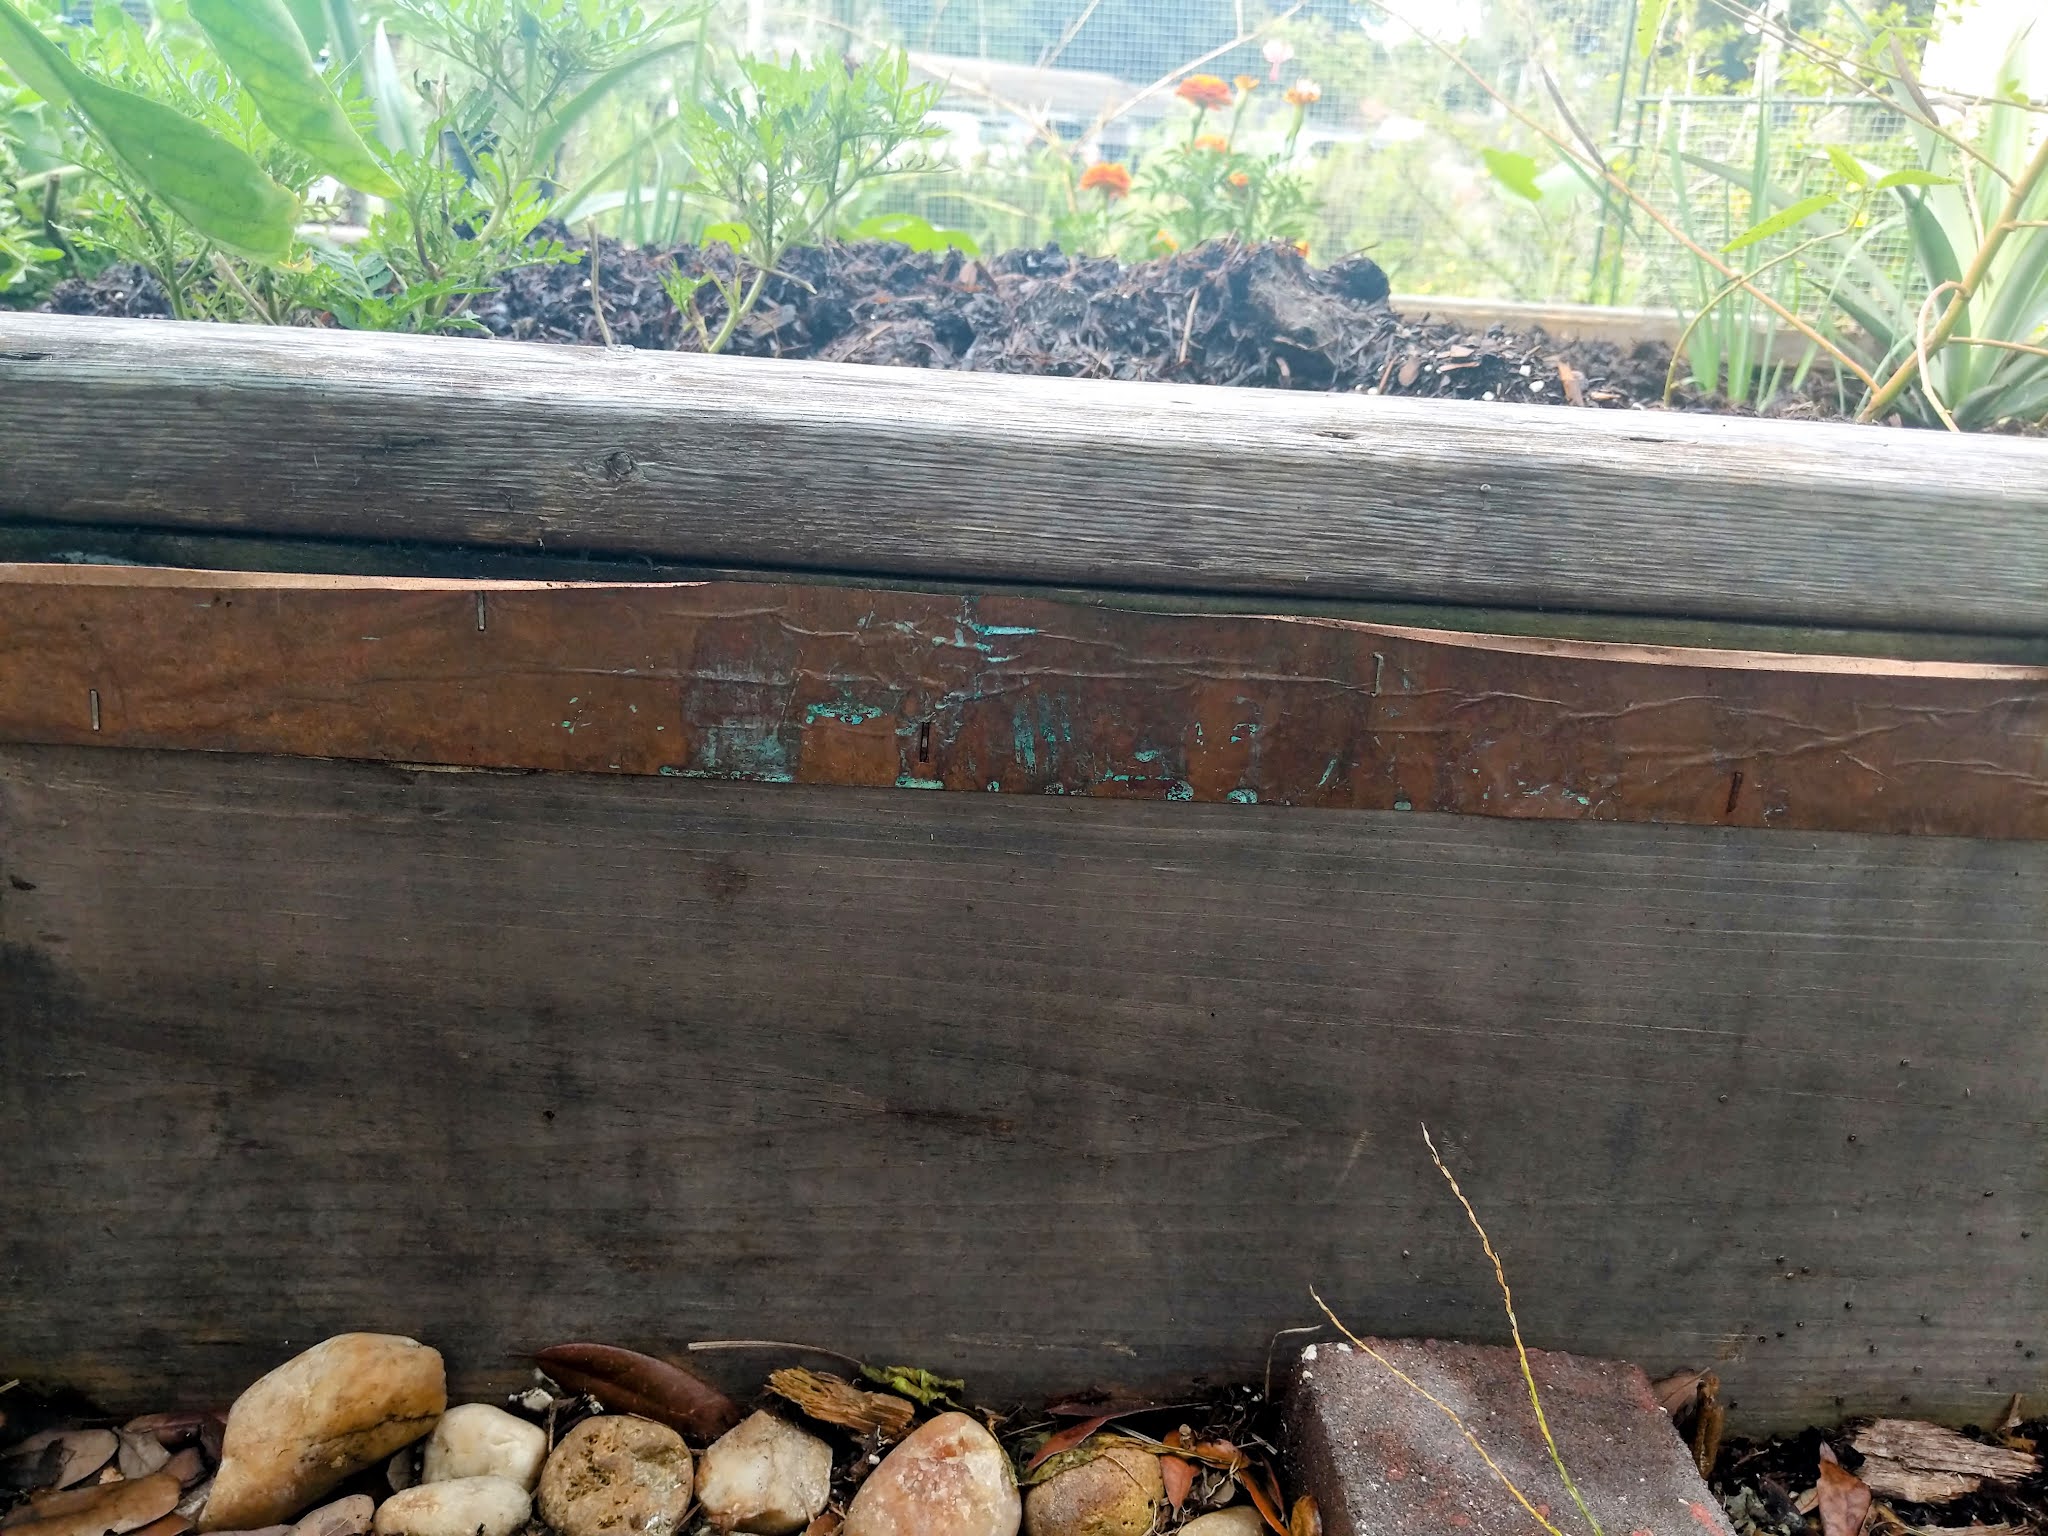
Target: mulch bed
{"points": [[1226, 314]]}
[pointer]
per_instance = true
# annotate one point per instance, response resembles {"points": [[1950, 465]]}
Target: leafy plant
{"points": [[166, 156], [1207, 186], [782, 148], [1961, 342]]}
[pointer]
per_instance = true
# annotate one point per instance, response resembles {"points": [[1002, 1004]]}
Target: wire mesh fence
{"points": [[1396, 147]]}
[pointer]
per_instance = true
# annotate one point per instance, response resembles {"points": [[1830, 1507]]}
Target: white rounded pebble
{"points": [[764, 1476], [477, 1440], [461, 1506]]}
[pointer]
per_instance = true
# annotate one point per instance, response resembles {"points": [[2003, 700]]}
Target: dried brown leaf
{"points": [[140, 1455], [2009, 1420], [1307, 1518], [187, 1466], [1179, 1477], [1709, 1418], [1066, 1440], [1573, 382], [627, 1381], [106, 1509], [1677, 1393], [835, 1400], [171, 1429], [1844, 1501], [825, 1524], [80, 1453], [1259, 1482], [173, 1524]]}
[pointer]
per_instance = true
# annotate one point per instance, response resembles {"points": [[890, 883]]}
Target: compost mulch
{"points": [[1225, 313]]}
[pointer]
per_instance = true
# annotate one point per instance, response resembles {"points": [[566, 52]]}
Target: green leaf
{"points": [[1850, 169], [908, 229], [1912, 176], [311, 16], [211, 184], [264, 49], [1781, 221], [36, 61], [731, 233], [581, 104], [1649, 22], [388, 94], [1515, 171]]}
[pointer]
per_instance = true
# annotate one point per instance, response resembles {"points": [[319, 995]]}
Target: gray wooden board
{"points": [[902, 472], [1042, 1092]]}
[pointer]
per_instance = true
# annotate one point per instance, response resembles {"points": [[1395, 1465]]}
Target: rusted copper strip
{"points": [[834, 685]]}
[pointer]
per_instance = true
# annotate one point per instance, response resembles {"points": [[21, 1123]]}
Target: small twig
{"points": [[1508, 1302], [1980, 267], [1920, 352], [1273, 1344], [1187, 329], [604, 328], [802, 1349]]}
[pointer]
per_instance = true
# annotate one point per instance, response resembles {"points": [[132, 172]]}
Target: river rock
{"points": [[617, 1475], [477, 1440], [344, 1517], [765, 1476], [949, 1478], [456, 1506], [1238, 1520], [1115, 1493], [345, 1404]]}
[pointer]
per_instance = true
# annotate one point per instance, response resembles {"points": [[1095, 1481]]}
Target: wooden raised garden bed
{"points": [[994, 871]]}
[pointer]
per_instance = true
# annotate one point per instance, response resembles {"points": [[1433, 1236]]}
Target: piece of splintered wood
{"points": [[626, 1381], [1926, 1464], [836, 1401]]}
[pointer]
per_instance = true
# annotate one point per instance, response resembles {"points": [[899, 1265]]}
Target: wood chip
{"points": [[1926, 1464], [834, 1400], [1574, 385]]}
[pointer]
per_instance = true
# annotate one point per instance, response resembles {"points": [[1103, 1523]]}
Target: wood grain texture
{"points": [[983, 477], [839, 685], [1041, 1092], [87, 544]]}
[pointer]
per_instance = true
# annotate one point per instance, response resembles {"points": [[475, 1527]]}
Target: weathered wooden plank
{"points": [[1044, 1092], [983, 477], [839, 685], [92, 544]]}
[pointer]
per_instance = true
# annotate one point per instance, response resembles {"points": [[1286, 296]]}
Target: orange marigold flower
{"points": [[1301, 249], [1246, 84], [1240, 179], [1204, 91], [1215, 143], [1106, 176], [1165, 241], [1304, 93]]}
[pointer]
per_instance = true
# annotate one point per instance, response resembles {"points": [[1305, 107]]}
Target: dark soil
{"points": [[1759, 1483], [1224, 314]]}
